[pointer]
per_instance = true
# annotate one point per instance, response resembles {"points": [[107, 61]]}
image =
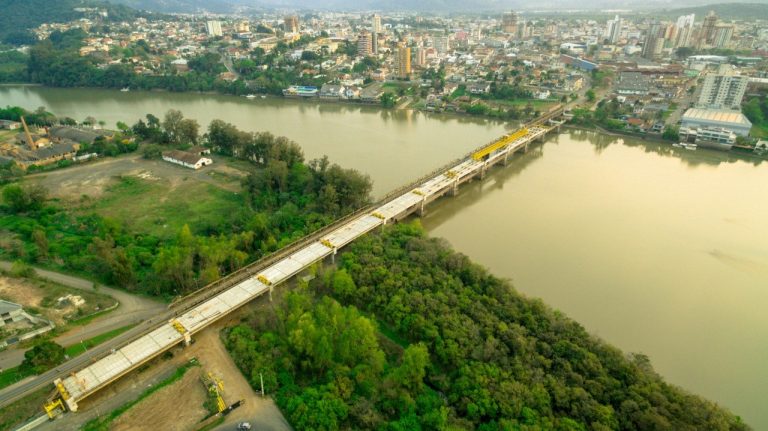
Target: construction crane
{"points": [[30, 142]]}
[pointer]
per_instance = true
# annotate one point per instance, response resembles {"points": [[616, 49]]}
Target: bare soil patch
{"points": [[177, 407]]}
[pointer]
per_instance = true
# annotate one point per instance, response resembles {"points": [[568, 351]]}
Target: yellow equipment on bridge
{"points": [[263, 279], [53, 408], [179, 327], [499, 144], [55, 405]]}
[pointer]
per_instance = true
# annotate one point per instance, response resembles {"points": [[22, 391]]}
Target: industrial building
{"points": [[696, 118]]}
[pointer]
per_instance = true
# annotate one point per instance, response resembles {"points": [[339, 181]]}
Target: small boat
{"points": [[263, 96], [250, 96], [124, 90], [691, 147], [678, 145]]}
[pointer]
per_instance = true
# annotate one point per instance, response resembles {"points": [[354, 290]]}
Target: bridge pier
{"points": [[455, 188], [422, 208]]}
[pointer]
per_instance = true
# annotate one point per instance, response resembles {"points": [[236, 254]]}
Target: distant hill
{"points": [[434, 6], [724, 11], [18, 16]]}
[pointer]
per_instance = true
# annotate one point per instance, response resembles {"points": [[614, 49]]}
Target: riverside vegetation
{"points": [[469, 352], [405, 334], [283, 198]]}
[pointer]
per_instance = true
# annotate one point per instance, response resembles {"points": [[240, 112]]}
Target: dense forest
{"points": [[284, 199], [469, 353]]}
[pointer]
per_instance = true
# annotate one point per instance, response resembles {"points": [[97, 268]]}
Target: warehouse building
{"points": [[734, 121]]}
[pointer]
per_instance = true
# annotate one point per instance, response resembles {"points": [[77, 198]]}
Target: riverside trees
{"points": [[284, 198], [478, 355]]}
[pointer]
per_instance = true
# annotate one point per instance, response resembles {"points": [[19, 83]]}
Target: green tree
{"points": [[413, 367], [590, 95], [671, 133], [388, 100], [42, 357], [24, 198]]}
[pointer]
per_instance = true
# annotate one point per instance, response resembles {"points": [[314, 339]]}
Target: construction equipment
{"points": [[53, 408], [214, 386], [30, 142], [499, 144]]}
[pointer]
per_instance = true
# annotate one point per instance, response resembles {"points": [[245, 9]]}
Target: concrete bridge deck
{"points": [[90, 379]]}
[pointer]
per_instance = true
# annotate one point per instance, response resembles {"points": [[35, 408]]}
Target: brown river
{"points": [[655, 249]]}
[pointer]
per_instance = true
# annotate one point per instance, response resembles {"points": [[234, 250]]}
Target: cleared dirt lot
{"points": [[92, 179], [185, 399]]}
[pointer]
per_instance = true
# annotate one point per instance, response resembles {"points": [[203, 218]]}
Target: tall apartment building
{"points": [[722, 36], [613, 30], [364, 44], [684, 30], [707, 31], [442, 44], [213, 28], [420, 56], [654, 41], [723, 90], [509, 22], [376, 23], [243, 27], [403, 60], [291, 24]]}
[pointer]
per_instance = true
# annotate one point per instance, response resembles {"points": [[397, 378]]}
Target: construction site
{"points": [[29, 145]]}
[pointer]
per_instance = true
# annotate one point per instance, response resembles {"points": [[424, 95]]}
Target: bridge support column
{"points": [[270, 293], [455, 188], [506, 158], [525, 148], [422, 208], [188, 337], [482, 171]]}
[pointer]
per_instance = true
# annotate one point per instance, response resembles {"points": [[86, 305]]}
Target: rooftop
{"points": [[7, 306], [718, 115]]}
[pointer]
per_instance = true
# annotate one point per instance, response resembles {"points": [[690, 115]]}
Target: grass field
{"points": [[161, 209], [11, 376], [759, 131]]}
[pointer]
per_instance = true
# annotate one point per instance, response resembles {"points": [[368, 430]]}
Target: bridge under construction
{"points": [[230, 293]]}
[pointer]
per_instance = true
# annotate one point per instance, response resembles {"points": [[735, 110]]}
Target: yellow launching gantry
{"points": [[55, 405], [499, 144], [181, 330]]}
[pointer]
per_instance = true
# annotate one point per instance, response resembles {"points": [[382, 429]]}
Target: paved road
{"points": [[133, 309]]}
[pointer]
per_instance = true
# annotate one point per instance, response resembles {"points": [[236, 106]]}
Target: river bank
{"points": [[648, 246]]}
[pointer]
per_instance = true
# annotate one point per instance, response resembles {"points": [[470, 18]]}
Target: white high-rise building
{"points": [[723, 90], [684, 30], [213, 28], [376, 23], [442, 44], [613, 30]]}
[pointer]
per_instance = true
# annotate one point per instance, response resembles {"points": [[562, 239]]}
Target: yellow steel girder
{"points": [[499, 144]]}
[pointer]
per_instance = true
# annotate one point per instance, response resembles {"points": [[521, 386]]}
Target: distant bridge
{"points": [[228, 294]]}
